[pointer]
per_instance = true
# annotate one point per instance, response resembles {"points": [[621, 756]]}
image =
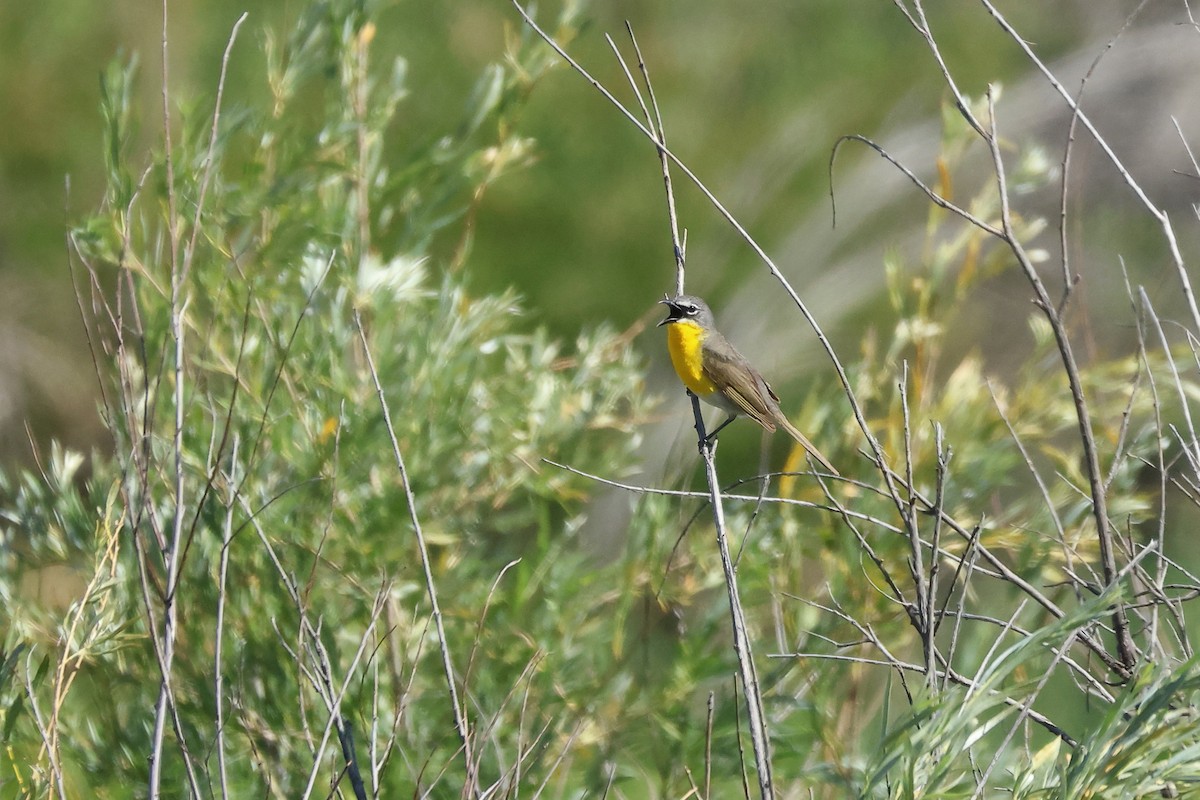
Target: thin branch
{"points": [[1070, 280], [1161, 216], [323, 682], [919, 613], [788, 501], [965, 568], [708, 736], [756, 719], [460, 720], [219, 634], [933, 196], [677, 245], [43, 731], [943, 455], [168, 632], [1125, 646], [1027, 588], [843, 377], [1191, 442], [209, 160], [1060, 530], [949, 675]]}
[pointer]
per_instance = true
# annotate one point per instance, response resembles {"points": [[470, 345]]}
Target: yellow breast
{"points": [[683, 342]]}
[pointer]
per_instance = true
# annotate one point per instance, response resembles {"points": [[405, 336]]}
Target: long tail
{"points": [[806, 444]]}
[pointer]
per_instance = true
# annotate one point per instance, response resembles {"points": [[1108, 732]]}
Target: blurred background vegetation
{"points": [[754, 105], [502, 232]]}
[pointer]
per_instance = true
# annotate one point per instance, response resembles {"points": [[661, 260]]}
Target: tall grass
{"points": [[366, 532]]}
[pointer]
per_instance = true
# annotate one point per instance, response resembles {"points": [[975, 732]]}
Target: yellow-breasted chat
{"points": [[713, 370]]}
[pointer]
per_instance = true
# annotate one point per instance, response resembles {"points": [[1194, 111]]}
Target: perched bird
{"points": [[719, 375]]}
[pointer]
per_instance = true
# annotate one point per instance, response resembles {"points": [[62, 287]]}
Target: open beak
{"points": [[674, 315]]}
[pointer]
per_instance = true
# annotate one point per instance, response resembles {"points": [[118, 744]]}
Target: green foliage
{"points": [[975, 439], [254, 487], [255, 253]]}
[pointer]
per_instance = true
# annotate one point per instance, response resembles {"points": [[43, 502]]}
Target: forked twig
{"points": [[655, 123], [1159, 215], [1126, 649], [760, 737], [178, 306], [843, 377]]}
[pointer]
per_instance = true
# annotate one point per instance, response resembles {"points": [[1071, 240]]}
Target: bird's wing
{"points": [[752, 395], [731, 373]]}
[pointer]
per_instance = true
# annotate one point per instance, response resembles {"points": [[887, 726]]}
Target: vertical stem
{"points": [[759, 737], [460, 718], [1126, 650], [218, 648], [933, 619], [167, 652]]}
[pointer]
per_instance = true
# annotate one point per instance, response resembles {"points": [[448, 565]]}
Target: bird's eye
{"points": [[692, 311]]}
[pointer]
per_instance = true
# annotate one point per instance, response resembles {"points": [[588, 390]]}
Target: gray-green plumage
{"points": [[741, 389]]}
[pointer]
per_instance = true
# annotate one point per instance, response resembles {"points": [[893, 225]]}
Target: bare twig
{"points": [[209, 160], [1027, 588], [562, 754], [333, 695], [1127, 652], [56, 774], [1060, 531], [756, 720], [1142, 310], [920, 612], [320, 673], [219, 634], [943, 454], [655, 124], [1069, 279], [843, 377], [1191, 443], [460, 720], [167, 650], [1125, 648], [1026, 711], [965, 568], [927, 190], [1160, 215], [708, 730], [949, 675], [748, 498], [178, 305]]}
